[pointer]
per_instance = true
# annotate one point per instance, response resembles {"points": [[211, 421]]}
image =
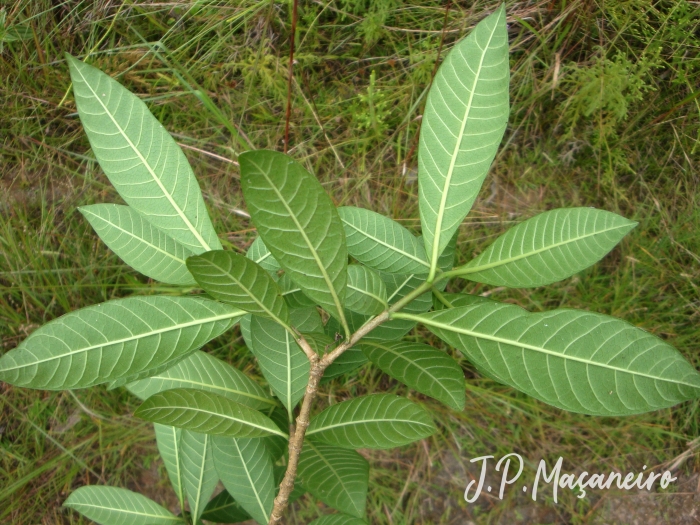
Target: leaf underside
{"points": [[199, 476]]}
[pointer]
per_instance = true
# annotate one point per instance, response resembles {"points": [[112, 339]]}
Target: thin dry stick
{"points": [[289, 78]]}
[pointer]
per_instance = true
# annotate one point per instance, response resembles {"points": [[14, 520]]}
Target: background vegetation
{"points": [[605, 113]]}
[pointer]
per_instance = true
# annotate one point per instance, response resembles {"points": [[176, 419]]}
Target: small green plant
{"points": [[308, 314]]}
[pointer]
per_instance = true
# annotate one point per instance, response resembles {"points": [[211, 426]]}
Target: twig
{"points": [[291, 73]]}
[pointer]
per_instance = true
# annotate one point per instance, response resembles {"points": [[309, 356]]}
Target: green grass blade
{"points": [[299, 224], [547, 248], [245, 469], [421, 368], [141, 159], [207, 413], [338, 519], [234, 279], [338, 477], [114, 506], [576, 360], [381, 243], [139, 244], [463, 123], [376, 421], [113, 340]]}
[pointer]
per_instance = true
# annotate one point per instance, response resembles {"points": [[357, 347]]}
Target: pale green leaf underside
{"points": [[366, 292], [245, 469], [207, 413], [141, 159], [259, 253], [139, 244], [168, 442], [382, 243], [293, 294], [306, 320], [198, 473], [464, 120], [348, 361], [421, 368], [201, 371], [283, 363], [576, 360], [338, 519], [548, 247], [115, 506], [298, 223], [377, 421], [338, 477], [113, 340], [234, 279]]}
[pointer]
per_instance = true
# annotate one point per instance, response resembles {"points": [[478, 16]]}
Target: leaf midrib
{"points": [[365, 421], [125, 511], [175, 206], [215, 387], [453, 159], [180, 326], [510, 342], [250, 480]]}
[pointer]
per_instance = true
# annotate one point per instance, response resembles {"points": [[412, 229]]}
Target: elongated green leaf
{"points": [[366, 291], [168, 442], [283, 363], [336, 476], [548, 247], [141, 159], [375, 421], [139, 244], [306, 320], [245, 469], [277, 445], [201, 371], [462, 299], [299, 225], [293, 294], [338, 519], [420, 367], [198, 473], [463, 123], [207, 413], [350, 360], [115, 339], [114, 506], [259, 253], [234, 279], [224, 509], [576, 360], [382, 243]]}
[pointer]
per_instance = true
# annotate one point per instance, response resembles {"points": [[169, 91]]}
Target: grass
{"points": [[605, 113]]}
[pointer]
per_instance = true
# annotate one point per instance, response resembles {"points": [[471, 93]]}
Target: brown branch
{"points": [[291, 75]]}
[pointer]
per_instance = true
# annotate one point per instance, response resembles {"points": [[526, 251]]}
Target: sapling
{"points": [[321, 291]]}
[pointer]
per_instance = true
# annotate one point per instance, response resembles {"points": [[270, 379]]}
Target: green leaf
{"points": [[293, 294], [348, 361], [277, 445], [205, 412], [168, 442], [198, 473], [234, 279], [548, 247], [115, 339], [463, 299], [298, 223], [297, 492], [283, 363], [141, 159], [382, 243], [464, 120], [366, 292], [224, 509], [576, 360], [114, 506], [259, 253], [336, 476], [245, 469], [306, 320], [139, 244], [375, 421], [421, 368], [202, 371], [338, 519]]}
